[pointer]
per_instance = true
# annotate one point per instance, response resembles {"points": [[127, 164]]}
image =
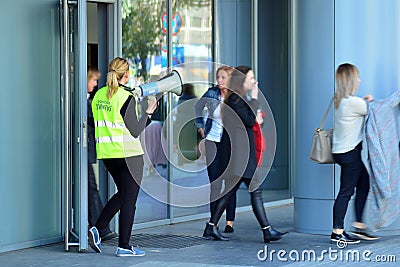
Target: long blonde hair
{"points": [[346, 82], [116, 71]]}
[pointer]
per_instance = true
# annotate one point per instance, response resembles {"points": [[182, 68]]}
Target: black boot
{"points": [[211, 231], [271, 234]]}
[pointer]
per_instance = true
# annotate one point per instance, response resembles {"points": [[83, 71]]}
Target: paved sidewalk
{"points": [[181, 245]]}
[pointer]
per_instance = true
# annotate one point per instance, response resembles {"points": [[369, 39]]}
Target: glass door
{"points": [[75, 124], [105, 40]]}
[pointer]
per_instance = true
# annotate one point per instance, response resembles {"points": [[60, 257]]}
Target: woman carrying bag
{"points": [[350, 112]]}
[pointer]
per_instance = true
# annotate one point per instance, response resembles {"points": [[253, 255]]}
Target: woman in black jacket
{"points": [[238, 151]]}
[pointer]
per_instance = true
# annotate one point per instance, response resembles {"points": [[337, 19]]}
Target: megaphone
{"points": [[169, 83]]}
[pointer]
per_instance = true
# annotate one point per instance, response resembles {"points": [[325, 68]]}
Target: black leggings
{"points": [[257, 202], [127, 174]]}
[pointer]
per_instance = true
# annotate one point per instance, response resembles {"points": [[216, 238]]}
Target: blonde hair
{"points": [[116, 71], [228, 70], [346, 82], [93, 73]]}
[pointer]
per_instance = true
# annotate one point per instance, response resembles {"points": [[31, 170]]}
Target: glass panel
{"points": [[143, 37], [30, 158], [192, 57], [273, 75], [145, 22], [234, 47]]}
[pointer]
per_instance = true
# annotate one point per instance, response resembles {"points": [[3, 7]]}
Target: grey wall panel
{"points": [[314, 87], [227, 34], [367, 35], [234, 34], [243, 29], [30, 115]]}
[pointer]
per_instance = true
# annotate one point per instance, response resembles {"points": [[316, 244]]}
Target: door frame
{"points": [[75, 161], [75, 141]]}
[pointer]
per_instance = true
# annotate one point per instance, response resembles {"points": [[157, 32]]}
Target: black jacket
{"points": [[238, 152], [90, 134]]}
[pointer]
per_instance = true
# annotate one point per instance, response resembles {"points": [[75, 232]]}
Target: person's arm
{"points": [[359, 106], [199, 107], [90, 119], [128, 112]]}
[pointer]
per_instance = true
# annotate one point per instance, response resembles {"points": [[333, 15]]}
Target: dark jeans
{"points": [[127, 174], [353, 175], [214, 172], [257, 202]]}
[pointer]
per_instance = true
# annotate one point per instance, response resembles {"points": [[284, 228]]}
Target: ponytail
{"points": [[116, 71]]}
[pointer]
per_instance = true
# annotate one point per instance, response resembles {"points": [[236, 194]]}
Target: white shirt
{"points": [[216, 130], [349, 124]]}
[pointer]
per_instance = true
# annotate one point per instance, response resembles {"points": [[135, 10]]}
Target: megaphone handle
{"points": [[138, 91]]}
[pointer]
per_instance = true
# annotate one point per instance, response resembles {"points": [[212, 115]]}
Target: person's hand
{"points": [[152, 104], [260, 117], [254, 91], [201, 131], [369, 98]]}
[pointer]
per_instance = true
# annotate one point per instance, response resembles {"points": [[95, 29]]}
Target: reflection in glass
{"points": [[142, 37], [192, 56]]}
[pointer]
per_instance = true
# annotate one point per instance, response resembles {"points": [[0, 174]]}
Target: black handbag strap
{"points": [[326, 114]]}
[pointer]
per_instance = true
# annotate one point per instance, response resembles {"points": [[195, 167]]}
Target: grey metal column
{"points": [[313, 86], [170, 209], [82, 139], [67, 122]]}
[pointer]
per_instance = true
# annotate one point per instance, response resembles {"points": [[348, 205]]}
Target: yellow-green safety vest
{"points": [[113, 139]]}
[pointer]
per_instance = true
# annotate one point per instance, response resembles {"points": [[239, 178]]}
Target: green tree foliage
{"points": [[142, 33], [141, 30]]}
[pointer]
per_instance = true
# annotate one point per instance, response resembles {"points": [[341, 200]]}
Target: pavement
{"points": [[181, 245]]}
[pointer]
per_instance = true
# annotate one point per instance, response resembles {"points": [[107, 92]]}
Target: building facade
{"points": [[294, 46]]}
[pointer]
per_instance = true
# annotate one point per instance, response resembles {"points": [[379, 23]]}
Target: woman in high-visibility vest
{"points": [[117, 130]]}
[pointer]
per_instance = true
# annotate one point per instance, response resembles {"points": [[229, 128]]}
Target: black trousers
{"points": [[127, 174], [95, 204], [353, 175], [214, 172], [257, 202]]}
